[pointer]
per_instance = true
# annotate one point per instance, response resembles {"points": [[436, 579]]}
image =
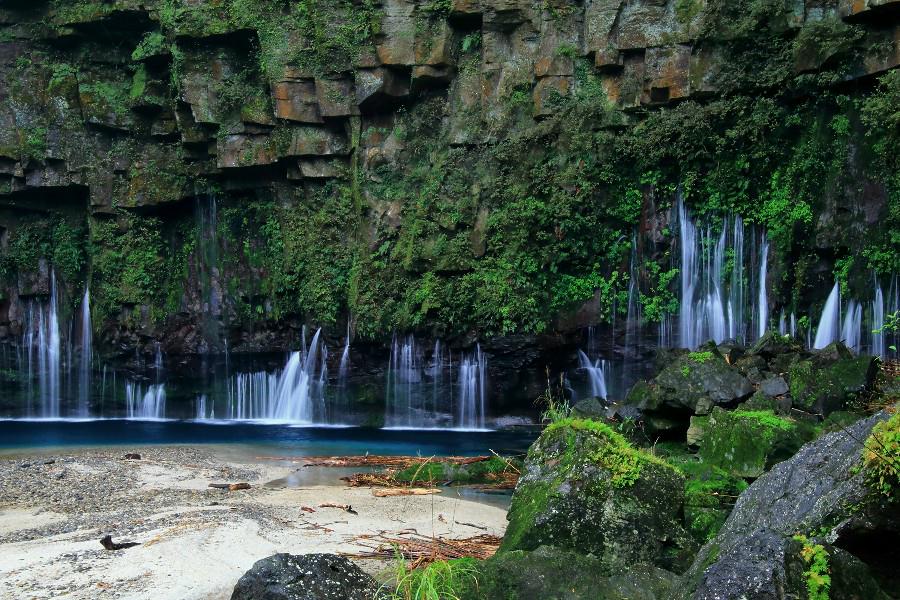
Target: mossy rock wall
{"points": [[450, 168]]}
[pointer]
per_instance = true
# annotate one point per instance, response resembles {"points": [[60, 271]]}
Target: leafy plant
{"points": [[817, 573]]}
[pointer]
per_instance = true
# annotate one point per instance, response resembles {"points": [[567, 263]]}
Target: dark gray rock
{"points": [[304, 577], [590, 408], [819, 490], [691, 383], [764, 567], [774, 386]]}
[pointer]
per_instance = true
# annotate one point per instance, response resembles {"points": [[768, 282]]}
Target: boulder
{"points": [[589, 408], [304, 577], [584, 488], [821, 490], [822, 385], [774, 386], [691, 384], [549, 572], [772, 344], [746, 442]]}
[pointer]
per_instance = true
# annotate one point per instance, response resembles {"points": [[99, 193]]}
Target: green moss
{"points": [[153, 44], [746, 443], [614, 454]]}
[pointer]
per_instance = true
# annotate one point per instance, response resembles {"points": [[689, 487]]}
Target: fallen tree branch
{"points": [[231, 487], [389, 492], [343, 507], [423, 550]]}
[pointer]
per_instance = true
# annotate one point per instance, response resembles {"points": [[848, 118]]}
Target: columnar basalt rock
{"points": [[123, 110]]}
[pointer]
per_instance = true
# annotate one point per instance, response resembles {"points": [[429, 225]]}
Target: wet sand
{"points": [[193, 541]]}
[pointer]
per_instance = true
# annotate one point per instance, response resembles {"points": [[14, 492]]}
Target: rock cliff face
{"points": [[223, 171]]}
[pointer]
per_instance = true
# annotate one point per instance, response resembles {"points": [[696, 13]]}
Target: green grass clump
{"points": [[701, 357], [881, 458], [483, 471], [441, 580], [766, 418]]}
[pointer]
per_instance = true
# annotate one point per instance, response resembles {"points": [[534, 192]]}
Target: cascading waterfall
{"points": [[84, 371], [596, 372], [830, 322], [404, 379], [344, 367], [472, 378], [201, 413], [632, 322], [42, 343], [762, 303], [878, 322], [703, 313], [294, 395], [736, 290], [145, 404], [851, 332]]}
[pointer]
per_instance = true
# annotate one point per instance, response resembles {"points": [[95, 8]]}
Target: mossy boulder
{"points": [[822, 385], [746, 442], [773, 344], [691, 383], [550, 572], [584, 488]]}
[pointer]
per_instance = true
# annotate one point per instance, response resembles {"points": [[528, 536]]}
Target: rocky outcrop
{"points": [[304, 577], [369, 159], [585, 489], [777, 386], [820, 493]]}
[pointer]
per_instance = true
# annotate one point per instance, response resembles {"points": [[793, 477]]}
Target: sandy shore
{"points": [[194, 542]]}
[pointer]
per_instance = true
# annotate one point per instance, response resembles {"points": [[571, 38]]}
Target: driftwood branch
{"points": [[231, 487]]}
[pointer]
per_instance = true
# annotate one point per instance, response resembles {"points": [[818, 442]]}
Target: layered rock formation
{"points": [[224, 171]]}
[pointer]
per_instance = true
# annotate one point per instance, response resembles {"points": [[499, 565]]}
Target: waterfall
{"points": [[596, 374], [878, 322], [793, 325], [633, 320], [762, 303], [158, 359], [472, 376], [736, 292], [852, 329], [344, 367], [295, 395], [782, 324], [149, 404], [84, 372], [42, 344], [201, 413], [830, 322], [404, 377], [702, 314]]}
